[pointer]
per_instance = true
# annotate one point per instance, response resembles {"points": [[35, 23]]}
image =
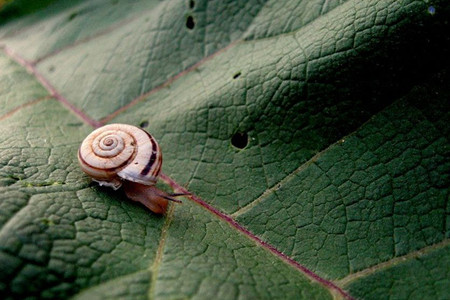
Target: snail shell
{"points": [[118, 155], [117, 152]]}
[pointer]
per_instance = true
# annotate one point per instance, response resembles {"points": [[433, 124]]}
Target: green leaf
{"points": [[313, 136]]}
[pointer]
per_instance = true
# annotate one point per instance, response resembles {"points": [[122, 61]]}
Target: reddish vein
{"points": [[330, 285], [166, 83], [86, 39], [32, 102], [31, 68]]}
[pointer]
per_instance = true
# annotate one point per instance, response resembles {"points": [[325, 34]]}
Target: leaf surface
{"points": [[313, 135]]}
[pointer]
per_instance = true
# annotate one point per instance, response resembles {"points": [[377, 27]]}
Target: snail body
{"points": [[120, 155]]}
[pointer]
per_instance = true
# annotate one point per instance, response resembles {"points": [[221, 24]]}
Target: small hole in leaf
{"points": [[190, 22], [73, 16], [191, 4], [239, 140], [236, 75], [143, 124]]}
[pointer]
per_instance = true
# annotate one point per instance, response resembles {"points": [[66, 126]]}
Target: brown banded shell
{"points": [[117, 152]]}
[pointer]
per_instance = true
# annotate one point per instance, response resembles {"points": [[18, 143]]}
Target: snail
{"points": [[120, 155]]}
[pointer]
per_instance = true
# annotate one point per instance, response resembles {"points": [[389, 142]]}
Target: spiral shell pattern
{"points": [[118, 152]]}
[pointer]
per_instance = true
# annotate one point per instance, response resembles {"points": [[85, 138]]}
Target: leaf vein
{"points": [[390, 263], [31, 68], [265, 245], [18, 108], [169, 81], [159, 252]]}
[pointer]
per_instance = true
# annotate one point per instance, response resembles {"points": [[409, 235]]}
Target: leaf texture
{"points": [[336, 188]]}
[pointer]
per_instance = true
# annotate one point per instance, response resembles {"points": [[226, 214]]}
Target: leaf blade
{"points": [[348, 62]]}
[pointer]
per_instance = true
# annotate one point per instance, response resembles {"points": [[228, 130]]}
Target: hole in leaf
{"points": [[73, 16], [236, 75], [191, 4], [143, 124], [239, 140], [190, 24]]}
